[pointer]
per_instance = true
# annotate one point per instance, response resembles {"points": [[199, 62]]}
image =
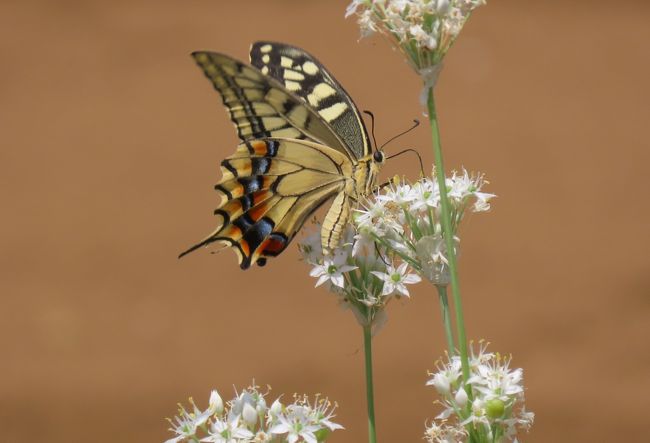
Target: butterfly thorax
{"points": [[365, 175]]}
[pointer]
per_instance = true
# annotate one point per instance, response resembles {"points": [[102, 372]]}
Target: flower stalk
{"points": [[446, 318], [448, 234], [370, 395]]}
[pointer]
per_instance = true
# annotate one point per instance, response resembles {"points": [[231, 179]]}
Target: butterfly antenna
{"points": [[372, 126], [410, 150], [416, 123]]}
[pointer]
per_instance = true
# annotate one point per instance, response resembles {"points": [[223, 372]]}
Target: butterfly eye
{"points": [[378, 156]]}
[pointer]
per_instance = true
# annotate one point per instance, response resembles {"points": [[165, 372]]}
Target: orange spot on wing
{"points": [[246, 168], [267, 181], [231, 231], [273, 246], [259, 147], [258, 212], [261, 196], [243, 244], [232, 207], [237, 190]]}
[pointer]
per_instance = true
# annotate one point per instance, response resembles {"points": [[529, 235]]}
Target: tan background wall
{"points": [[110, 141]]}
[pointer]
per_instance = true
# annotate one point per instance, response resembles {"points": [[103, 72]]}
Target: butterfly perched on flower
{"points": [[303, 143]]}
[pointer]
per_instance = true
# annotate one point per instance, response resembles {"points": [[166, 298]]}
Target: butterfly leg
{"points": [[383, 185]]}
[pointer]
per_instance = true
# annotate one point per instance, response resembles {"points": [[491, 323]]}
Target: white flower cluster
{"points": [[424, 30], [247, 419], [405, 219], [490, 406], [360, 273], [426, 25], [393, 240]]}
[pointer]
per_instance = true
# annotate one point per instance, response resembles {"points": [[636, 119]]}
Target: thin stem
{"points": [[370, 396], [446, 318], [448, 235]]}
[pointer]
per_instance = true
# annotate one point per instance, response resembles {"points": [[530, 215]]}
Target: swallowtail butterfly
{"points": [[303, 143]]}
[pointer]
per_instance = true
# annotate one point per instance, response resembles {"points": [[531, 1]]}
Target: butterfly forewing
{"points": [[259, 106], [307, 78]]}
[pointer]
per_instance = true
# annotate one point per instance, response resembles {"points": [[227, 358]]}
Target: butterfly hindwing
{"points": [[269, 187], [307, 78]]}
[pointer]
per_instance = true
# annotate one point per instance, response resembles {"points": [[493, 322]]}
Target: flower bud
{"points": [[494, 408], [276, 408], [249, 414], [461, 397], [441, 383], [215, 403]]}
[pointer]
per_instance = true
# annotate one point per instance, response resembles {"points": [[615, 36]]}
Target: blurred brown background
{"points": [[110, 143]]}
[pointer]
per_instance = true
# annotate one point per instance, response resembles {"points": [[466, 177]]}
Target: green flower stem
{"points": [[367, 346], [446, 318], [448, 235]]}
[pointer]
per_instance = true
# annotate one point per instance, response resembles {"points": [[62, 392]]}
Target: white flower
{"points": [[323, 413], [184, 427], [461, 397], [443, 433], [275, 410], [425, 195], [464, 186], [460, 186], [352, 7], [432, 255], [395, 280], [399, 194], [187, 423], [215, 403], [482, 201], [332, 269], [249, 414], [376, 218], [367, 24], [494, 379], [302, 420], [296, 424], [423, 38], [441, 382], [228, 431]]}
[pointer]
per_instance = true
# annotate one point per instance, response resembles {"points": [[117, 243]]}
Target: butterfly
{"points": [[303, 144]]}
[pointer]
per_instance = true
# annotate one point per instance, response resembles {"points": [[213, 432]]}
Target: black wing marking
{"points": [[306, 77], [260, 107]]}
